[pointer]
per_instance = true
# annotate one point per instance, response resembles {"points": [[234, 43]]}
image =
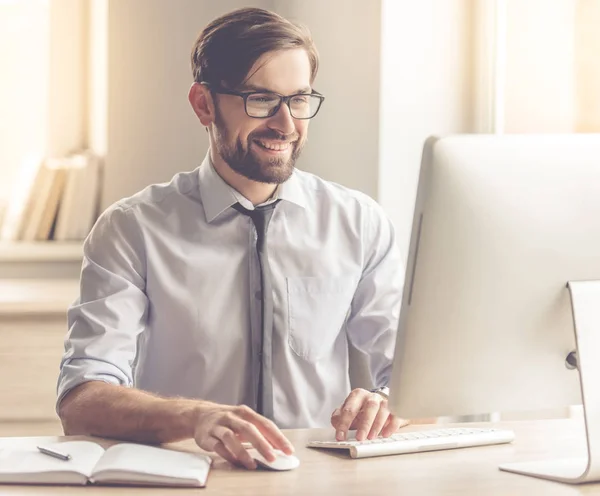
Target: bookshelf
{"points": [[41, 251]]}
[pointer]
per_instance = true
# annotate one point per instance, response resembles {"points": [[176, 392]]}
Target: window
{"points": [[24, 27], [542, 59]]}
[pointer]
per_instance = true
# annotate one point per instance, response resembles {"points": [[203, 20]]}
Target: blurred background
{"points": [[93, 107]]}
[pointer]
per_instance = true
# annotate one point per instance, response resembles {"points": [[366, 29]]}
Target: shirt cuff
{"points": [[76, 371]]}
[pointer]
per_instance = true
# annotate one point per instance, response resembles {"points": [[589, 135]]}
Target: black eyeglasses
{"points": [[263, 104]]}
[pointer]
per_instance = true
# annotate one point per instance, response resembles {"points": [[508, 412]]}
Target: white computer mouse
{"points": [[282, 461]]}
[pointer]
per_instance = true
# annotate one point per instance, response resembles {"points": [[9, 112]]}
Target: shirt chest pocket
{"points": [[317, 311]]}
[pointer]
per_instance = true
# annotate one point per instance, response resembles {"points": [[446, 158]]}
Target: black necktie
{"points": [[261, 217]]}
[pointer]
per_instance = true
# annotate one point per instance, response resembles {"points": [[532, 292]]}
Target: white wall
{"points": [[426, 89]]}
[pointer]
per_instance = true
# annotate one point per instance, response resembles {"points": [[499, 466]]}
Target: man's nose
{"points": [[282, 121]]}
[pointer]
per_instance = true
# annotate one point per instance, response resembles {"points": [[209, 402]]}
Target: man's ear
{"points": [[201, 101]]}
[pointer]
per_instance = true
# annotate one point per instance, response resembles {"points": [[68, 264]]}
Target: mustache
{"points": [[274, 135]]}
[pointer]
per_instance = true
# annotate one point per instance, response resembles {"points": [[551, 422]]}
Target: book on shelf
{"points": [[56, 199], [90, 463], [32, 203], [46, 196], [79, 205]]}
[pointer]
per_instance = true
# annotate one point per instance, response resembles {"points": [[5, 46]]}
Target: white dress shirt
{"points": [[170, 295]]}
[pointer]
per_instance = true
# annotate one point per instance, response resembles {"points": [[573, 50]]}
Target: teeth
{"points": [[275, 146]]}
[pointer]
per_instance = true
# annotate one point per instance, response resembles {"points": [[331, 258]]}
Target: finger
{"points": [[215, 440], [367, 415], [234, 446], [214, 443], [223, 452], [336, 417], [207, 442], [394, 423], [268, 430], [249, 432], [380, 420], [350, 410], [387, 422]]}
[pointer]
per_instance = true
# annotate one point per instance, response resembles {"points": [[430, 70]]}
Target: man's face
{"points": [[264, 150]]}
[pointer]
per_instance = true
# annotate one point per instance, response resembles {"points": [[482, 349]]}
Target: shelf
{"points": [[42, 251], [37, 296]]}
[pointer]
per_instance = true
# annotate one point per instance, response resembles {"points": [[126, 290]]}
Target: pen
{"points": [[53, 453]]}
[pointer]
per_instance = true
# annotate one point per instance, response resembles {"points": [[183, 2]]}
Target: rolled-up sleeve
{"points": [[110, 313], [372, 324]]}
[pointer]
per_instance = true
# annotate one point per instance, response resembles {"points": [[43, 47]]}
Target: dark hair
{"points": [[229, 46]]}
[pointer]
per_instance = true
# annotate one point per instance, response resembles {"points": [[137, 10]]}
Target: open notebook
{"points": [[125, 463]]}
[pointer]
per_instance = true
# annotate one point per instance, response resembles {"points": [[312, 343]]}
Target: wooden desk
{"points": [[454, 472]]}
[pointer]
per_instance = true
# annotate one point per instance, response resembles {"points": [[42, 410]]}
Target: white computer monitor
{"points": [[501, 225]]}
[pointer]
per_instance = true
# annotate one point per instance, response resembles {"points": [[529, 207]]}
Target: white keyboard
{"points": [[418, 441]]}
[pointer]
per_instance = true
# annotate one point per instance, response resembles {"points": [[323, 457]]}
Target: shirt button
{"points": [[258, 295]]}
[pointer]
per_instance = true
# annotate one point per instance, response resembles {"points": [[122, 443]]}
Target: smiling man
{"points": [[219, 306]]}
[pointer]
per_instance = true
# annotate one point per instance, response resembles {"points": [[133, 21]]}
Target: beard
{"points": [[246, 162]]}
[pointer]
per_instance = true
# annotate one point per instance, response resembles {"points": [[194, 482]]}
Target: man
{"points": [[187, 308]]}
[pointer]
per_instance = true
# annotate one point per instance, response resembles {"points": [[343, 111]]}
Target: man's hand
{"points": [[366, 412], [223, 428]]}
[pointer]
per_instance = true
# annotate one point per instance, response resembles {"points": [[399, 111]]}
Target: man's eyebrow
{"points": [[253, 87], [306, 89]]}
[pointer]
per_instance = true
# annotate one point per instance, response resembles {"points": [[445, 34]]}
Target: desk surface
{"points": [[463, 471]]}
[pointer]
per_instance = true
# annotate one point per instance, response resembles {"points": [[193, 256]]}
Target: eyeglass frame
{"points": [[282, 99]]}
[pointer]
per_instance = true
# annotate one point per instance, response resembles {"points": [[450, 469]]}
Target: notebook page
{"points": [[149, 464], [27, 464]]}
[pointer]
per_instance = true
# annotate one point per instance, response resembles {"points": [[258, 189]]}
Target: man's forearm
{"points": [[96, 408]]}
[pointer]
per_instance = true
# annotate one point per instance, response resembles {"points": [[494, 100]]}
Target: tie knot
{"points": [[261, 215], [260, 211]]}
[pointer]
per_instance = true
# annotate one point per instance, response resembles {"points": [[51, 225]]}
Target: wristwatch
{"points": [[383, 391]]}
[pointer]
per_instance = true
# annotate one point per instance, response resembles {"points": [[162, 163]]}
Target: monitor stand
{"points": [[585, 303]]}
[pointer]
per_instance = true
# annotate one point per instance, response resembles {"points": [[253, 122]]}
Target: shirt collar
{"points": [[217, 195], [292, 191]]}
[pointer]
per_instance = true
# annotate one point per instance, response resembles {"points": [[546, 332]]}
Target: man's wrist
{"points": [[192, 412]]}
